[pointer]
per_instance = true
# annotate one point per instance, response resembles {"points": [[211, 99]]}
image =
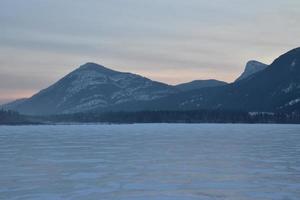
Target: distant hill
{"points": [[198, 84]]}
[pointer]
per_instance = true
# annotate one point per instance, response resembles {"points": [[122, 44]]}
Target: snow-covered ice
{"points": [[150, 161]]}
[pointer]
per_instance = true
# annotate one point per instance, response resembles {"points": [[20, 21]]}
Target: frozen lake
{"points": [[154, 161]]}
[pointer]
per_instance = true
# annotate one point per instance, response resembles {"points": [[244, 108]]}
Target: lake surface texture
{"points": [[150, 161]]}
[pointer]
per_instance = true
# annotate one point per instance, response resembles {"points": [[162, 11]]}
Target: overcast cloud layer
{"points": [[167, 40]]}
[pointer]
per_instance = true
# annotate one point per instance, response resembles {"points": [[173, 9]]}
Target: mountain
{"points": [[91, 86], [251, 68], [198, 84], [274, 89]]}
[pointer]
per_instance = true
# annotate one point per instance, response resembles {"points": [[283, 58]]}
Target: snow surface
{"points": [[150, 161]]}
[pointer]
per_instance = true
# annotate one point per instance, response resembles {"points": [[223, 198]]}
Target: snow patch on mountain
{"points": [[293, 63], [290, 88], [85, 79], [95, 103], [293, 102]]}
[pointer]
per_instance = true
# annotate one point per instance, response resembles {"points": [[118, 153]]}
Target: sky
{"points": [[172, 41]]}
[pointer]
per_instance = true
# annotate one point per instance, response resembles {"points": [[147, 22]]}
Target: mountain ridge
{"points": [[198, 84], [274, 89], [93, 87]]}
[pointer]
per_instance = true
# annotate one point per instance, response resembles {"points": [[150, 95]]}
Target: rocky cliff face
{"points": [[251, 68]]}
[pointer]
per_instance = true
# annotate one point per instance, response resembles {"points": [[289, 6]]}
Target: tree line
{"points": [[195, 116], [12, 118]]}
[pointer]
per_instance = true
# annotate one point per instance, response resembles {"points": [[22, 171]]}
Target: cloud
{"points": [[43, 40]]}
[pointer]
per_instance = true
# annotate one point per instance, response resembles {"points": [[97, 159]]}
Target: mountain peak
{"points": [[93, 66], [252, 67]]}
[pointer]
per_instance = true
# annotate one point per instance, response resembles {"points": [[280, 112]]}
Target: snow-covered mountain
{"points": [[91, 86], [198, 84], [251, 68]]}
